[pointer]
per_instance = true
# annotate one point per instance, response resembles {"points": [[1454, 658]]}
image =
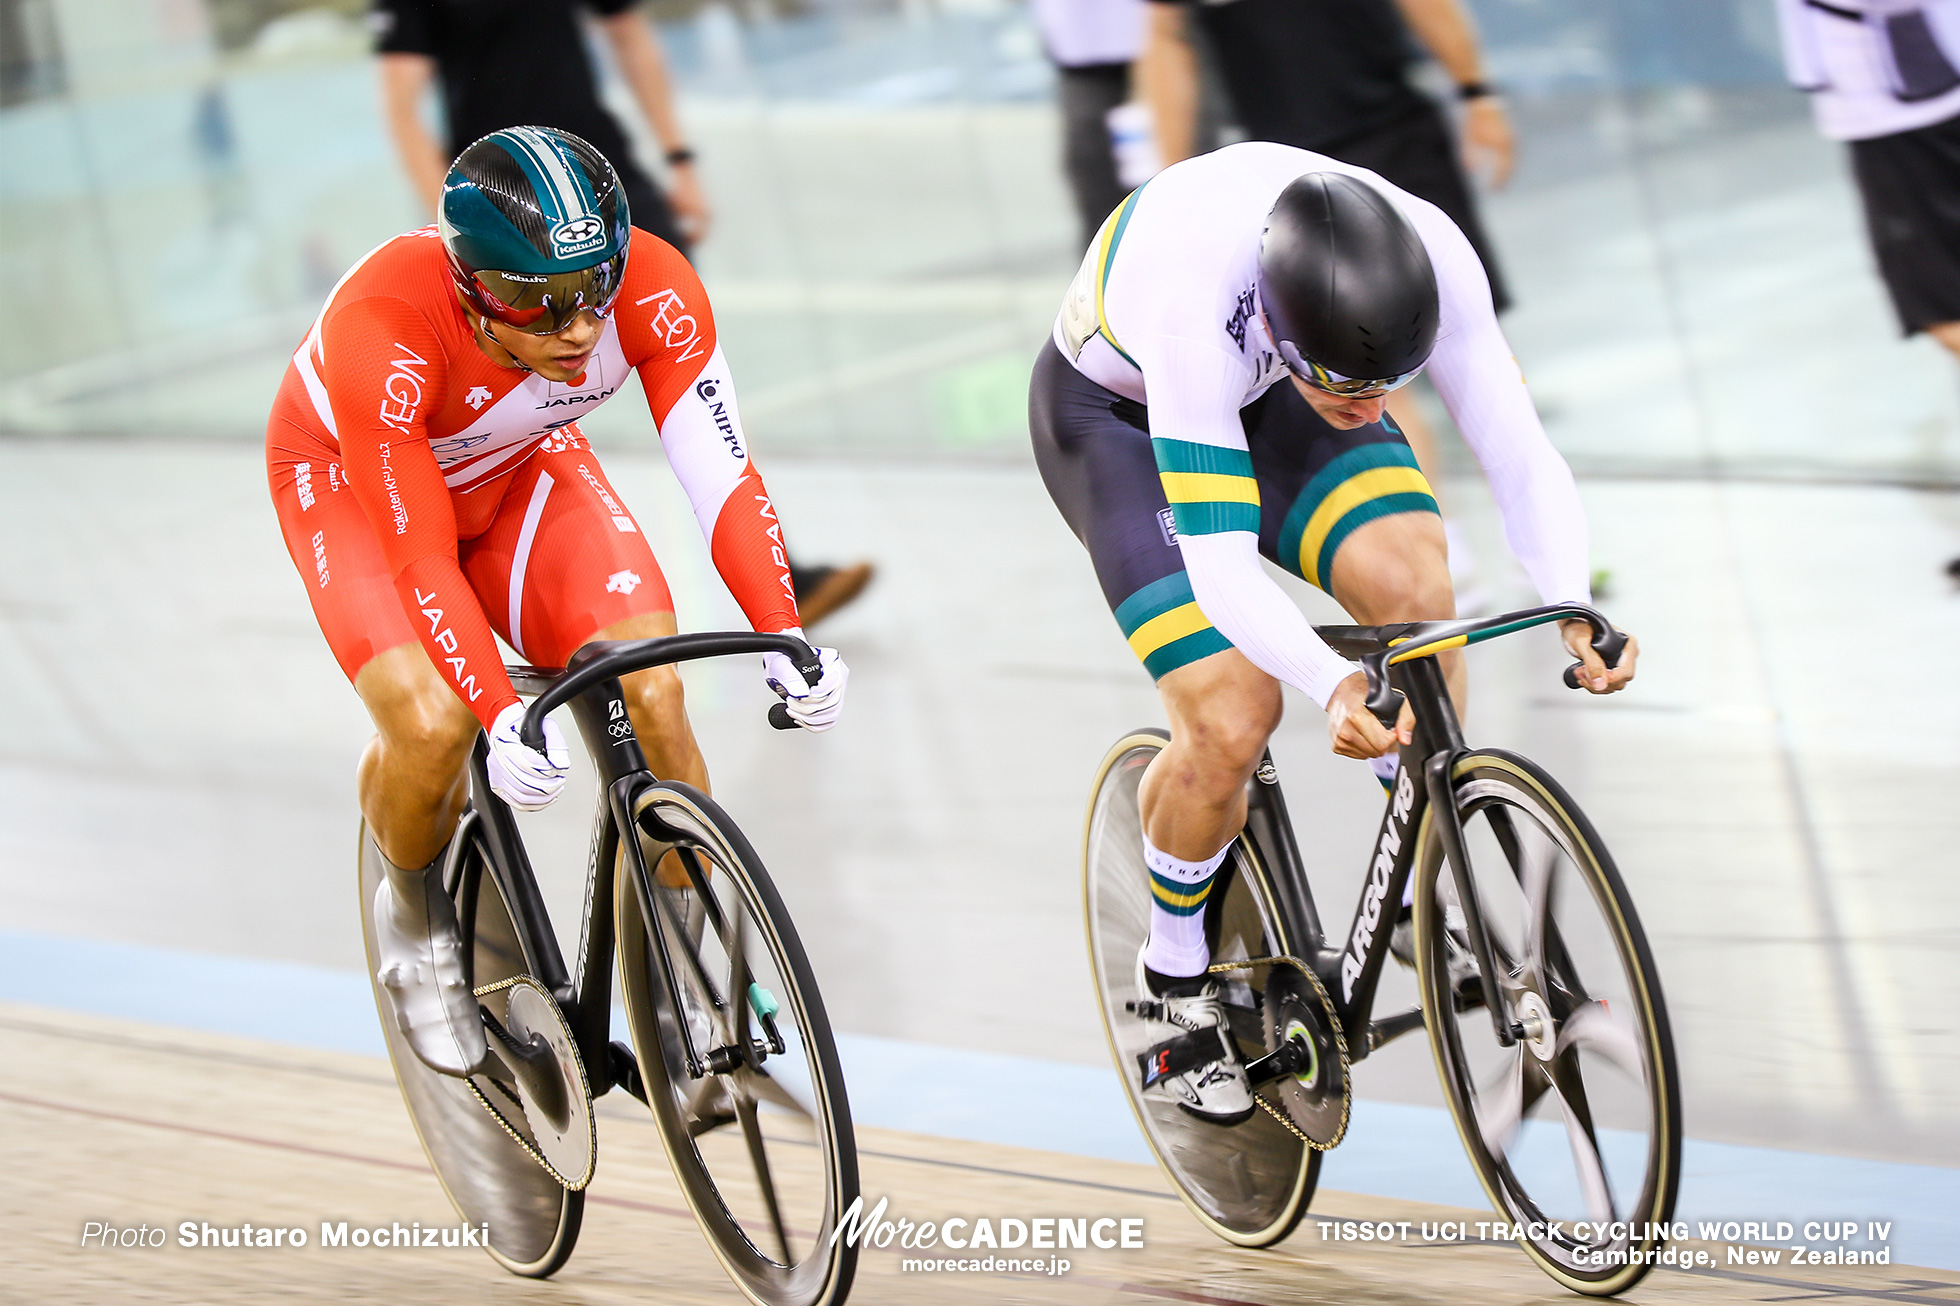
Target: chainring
{"points": [[555, 1126], [1313, 1103]]}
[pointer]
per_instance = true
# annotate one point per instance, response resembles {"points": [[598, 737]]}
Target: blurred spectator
{"points": [[1092, 43], [1882, 78], [509, 63], [1334, 78]]}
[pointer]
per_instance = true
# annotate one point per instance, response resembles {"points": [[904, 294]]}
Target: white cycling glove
{"points": [[814, 707], [523, 777]]}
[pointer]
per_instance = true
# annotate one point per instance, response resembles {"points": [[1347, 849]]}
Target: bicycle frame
{"points": [[590, 685], [1349, 965]]}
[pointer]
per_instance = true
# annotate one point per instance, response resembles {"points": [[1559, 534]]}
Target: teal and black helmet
{"points": [[536, 228]]}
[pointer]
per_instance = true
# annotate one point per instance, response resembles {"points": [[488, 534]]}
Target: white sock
{"points": [[1177, 911]]}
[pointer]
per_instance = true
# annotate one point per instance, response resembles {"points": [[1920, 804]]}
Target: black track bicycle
{"points": [[1536, 985], [730, 1047]]}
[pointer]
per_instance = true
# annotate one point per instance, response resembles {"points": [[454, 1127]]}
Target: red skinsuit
{"points": [[420, 485]]}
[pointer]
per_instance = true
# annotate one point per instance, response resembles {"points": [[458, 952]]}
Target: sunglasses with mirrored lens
{"points": [[1334, 383], [546, 304]]}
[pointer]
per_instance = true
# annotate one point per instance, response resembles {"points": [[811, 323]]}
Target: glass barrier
{"points": [[182, 181]]}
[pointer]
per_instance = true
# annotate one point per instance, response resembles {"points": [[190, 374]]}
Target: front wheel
{"points": [[757, 1128], [1574, 1128]]}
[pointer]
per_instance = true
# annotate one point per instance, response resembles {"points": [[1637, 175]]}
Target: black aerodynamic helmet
{"points": [[1347, 287]]}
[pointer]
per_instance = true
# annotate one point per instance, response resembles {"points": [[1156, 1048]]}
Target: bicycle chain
{"points": [[1340, 1046], [530, 1148]]}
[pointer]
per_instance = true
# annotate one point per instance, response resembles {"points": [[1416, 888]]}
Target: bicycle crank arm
{"points": [[532, 1067], [1390, 1028], [624, 1068], [1290, 1058]]}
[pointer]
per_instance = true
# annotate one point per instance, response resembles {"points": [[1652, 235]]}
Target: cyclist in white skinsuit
{"points": [[1169, 446]]}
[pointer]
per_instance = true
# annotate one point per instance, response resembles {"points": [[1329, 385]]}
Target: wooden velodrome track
{"points": [[130, 1125]]}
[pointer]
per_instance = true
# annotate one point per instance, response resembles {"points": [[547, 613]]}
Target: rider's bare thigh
{"points": [[1395, 569]]}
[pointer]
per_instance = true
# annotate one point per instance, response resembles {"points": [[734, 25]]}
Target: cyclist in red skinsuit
{"points": [[435, 492], [423, 454]]}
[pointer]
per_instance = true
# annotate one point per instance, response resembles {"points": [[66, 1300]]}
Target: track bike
{"points": [[729, 1044], [1535, 983]]}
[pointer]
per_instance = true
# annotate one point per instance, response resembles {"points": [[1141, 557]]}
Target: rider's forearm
{"points": [[1544, 521], [1483, 388], [449, 621], [1242, 602], [1545, 525], [705, 444]]}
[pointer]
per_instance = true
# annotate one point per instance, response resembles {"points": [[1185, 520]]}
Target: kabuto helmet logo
{"points": [[577, 235]]}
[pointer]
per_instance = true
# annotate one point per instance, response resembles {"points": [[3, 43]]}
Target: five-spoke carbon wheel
{"points": [[1573, 1123], [741, 1073]]}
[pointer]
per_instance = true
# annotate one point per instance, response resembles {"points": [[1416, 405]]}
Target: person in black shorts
{"points": [[513, 63], [1885, 80], [510, 63], [1333, 78]]}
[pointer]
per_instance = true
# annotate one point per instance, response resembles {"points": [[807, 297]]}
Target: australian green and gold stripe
{"points": [[1413, 651], [1180, 899], [1165, 626], [1375, 480], [1210, 489], [1107, 240]]}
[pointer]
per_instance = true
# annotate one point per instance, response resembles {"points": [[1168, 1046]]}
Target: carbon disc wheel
{"points": [[532, 1220], [1248, 1183]]}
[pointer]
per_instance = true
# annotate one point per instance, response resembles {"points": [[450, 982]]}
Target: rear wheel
{"points": [[758, 1129], [532, 1219], [1578, 1121], [1248, 1183]]}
